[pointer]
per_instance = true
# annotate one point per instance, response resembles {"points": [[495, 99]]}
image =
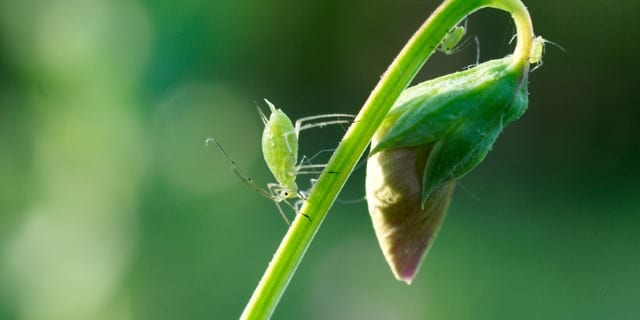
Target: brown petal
{"points": [[404, 230]]}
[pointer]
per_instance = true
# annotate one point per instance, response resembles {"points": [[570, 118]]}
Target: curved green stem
{"points": [[524, 27], [397, 77]]}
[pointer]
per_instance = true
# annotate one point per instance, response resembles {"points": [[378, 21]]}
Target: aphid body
{"points": [[280, 150], [451, 40], [453, 43], [537, 51]]}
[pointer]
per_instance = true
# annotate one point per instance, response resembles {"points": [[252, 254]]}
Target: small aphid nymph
{"points": [[280, 150], [537, 51], [451, 43]]}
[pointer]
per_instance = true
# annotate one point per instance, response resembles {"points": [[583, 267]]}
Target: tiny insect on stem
{"points": [[537, 51], [249, 181], [453, 42], [280, 150]]}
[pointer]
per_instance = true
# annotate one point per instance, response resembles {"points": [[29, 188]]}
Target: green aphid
{"points": [[537, 51], [436, 132], [449, 44], [280, 150], [453, 43]]}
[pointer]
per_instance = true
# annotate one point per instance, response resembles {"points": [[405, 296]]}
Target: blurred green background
{"points": [[111, 206]]}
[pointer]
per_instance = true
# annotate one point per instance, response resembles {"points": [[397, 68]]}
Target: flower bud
{"points": [[435, 133]]}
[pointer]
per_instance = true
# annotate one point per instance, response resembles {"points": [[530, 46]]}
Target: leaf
{"points": [[427, 111]]}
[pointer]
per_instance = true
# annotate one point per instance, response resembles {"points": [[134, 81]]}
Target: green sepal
{"points": [[461, 114]]}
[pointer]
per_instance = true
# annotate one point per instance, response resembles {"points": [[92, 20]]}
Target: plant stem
{"points": [[397, 77], [524, 27]]}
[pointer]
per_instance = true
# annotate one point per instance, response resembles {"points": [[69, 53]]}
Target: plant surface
{"points": [[459, 153]]}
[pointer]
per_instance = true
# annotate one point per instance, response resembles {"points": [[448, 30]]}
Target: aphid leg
{"points": [[310, 169], [477, 41], [464, 44], [305, 160], [536, 53], [305, 194], [299, 126], [282, 212], [297, 206], [276, 190], [306, 167], [538, 65], [313, 182]]}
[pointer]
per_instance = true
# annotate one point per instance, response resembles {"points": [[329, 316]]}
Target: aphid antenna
{"points": [[556, 45], [249, 181], [468, 191], [263, 117], [243, 176]]}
